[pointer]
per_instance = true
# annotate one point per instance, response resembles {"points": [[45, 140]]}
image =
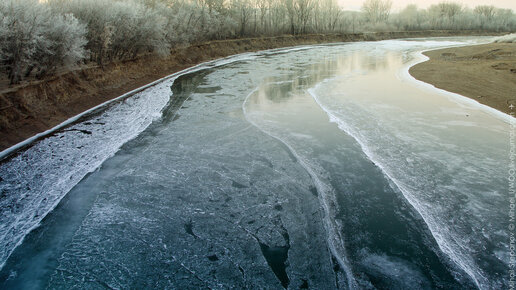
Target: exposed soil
{"points": [[486, 73], [36, 106]]}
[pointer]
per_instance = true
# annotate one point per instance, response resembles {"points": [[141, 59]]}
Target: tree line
{"points": [[38, 37]]}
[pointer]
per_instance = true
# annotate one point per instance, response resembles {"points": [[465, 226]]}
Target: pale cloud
{"points": [[399, 4]]}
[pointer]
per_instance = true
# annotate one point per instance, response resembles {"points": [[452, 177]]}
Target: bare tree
{"points": [[377, 10], [445, 14], [303, 10], [242, 11], [331, 14], [409, 18]]}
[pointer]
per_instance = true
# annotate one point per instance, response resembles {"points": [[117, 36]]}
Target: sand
{"points": [[485, 73]]}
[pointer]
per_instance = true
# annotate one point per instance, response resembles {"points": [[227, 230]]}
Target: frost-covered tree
{"points": [[21, 35], [137, 29], [485, 11], [377, 10], [330, 15], [66, 45], [505, 20], [486, 15], [410, 18], [304, 12], [444, 15], [118, 30], [300, 15], [32, 38], [37, 37], [242, 12]]}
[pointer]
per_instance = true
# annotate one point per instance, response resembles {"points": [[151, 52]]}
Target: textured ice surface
{"points": [[240, 180], [447, 160], [34, 181], [362, 209], [201, 202]]}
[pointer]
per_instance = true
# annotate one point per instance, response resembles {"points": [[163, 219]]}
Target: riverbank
{"points": [[36, 106], [485, 73]]}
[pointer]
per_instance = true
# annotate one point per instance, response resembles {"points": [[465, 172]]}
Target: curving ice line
{"points": [[335, 239], [26, 223], [102, 107], [31, 224], [5, 153], [23, 222], [445, 247], [457, 98], [461, 260], [205, 65]]}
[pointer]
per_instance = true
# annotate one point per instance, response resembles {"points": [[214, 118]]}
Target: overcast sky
{"points": [[399, 4]]}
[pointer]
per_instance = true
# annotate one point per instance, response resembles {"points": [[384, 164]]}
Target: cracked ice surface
{"points": [[33, 182], [242, 182], [197, 204]]}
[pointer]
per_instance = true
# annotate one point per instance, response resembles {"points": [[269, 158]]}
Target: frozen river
{"points": [[312, 167]]}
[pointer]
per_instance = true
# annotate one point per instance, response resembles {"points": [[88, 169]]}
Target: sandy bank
{"points": [[36, 106], [485, 73]]}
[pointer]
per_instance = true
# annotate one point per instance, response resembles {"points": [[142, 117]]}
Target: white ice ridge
{"points": [[461, 259], [36, 179], [335, 238], [172, 77]]}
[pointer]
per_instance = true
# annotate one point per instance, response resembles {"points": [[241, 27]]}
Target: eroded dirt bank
{"points": [[34, 107]]}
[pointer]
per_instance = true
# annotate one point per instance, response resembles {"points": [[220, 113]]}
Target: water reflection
{"points": [[443, 156], [384, 241], [280, 89], [312, 192]]}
